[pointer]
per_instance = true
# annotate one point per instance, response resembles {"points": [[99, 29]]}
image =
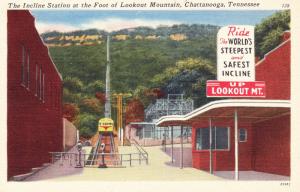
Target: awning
{"points": [[248, 109], [141, 123], [234, 109]]}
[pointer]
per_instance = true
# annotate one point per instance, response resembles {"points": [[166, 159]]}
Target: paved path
{"points": [[252, 175], [158, 169], [187, 155], [57, 169]]}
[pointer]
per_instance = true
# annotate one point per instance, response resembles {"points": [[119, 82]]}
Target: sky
{"points": [[65, 21]]}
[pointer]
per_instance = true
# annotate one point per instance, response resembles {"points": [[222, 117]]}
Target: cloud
{"points": [[109, 24], [61, 27]]}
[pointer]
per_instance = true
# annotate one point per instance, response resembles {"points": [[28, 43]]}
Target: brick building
{"points": [[34, 123], [246, 134]]}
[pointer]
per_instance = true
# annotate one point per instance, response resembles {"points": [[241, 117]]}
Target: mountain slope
{"points": [[134, 61], [137, 57]]}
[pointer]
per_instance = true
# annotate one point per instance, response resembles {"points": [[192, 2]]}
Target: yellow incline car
{"points": [[105, 125]]}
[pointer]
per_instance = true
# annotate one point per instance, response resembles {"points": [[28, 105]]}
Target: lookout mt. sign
{"points": [[235, 64]]}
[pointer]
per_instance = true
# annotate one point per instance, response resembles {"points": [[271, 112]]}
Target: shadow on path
{"points": [[57, 169], [187, 156]]}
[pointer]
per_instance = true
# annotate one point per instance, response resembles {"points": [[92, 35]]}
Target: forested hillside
{"points": [[148, 63]]}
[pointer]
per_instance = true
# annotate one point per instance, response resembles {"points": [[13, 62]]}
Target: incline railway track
{"points": [[105, 151]]}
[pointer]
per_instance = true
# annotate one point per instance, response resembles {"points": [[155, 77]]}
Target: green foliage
{"points": [[139, 94], [73, 84], [268, 33], [139, 91], [91, 106], [94, 87], [271, 40], [71, 97], [134, 64], [87, 124], [78, 97], [139, 65], [187, 65]]}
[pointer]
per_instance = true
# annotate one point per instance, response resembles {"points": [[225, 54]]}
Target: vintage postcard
{"points": [[149, 95]]}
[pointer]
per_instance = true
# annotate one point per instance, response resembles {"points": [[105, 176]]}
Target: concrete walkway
{"points": [[252, 176], [158, 169], [59, 169], [187, 155]]}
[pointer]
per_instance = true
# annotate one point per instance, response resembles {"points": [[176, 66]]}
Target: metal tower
{"points": [[175, 104], [107, 112]]}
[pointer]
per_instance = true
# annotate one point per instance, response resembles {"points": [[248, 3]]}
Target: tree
{"points": [[135, 62], [101, 97], [139, 94], [87, 124], [134, 111], [70, 111], [188, 77], [71, 97], [184, 66], [74, 84], [268, 33], [154, 93], [94, 87], [91, 106]]}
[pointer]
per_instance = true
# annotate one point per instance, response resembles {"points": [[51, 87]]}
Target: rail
{"points": [[141, 150], [109, 159]]}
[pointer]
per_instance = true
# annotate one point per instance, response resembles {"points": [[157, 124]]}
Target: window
{"points": [[242, 135], [220, 138], [56, 96], [28, 71], [202, 138], [139, 133], [36, 80], [40, 84], [43, 88], [23, 65], [147, 131]]}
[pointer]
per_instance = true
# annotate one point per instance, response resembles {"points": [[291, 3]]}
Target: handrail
{"points": [[139, 148], [73, 156], [136, 143], [96, 153]]}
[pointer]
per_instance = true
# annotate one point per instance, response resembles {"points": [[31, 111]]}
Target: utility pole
{"points": [[107, 110], [120, 127]]}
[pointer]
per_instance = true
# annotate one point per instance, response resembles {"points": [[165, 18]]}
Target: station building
{"points": [[34, 97], [245, 134]]}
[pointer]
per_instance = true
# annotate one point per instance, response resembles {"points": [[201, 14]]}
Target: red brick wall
{"points": [[267, 148], [274, 69], [272, 146], [34, 127]]}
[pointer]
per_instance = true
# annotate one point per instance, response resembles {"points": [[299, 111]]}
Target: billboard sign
{"points": [[235, 53], [235, 64]]}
